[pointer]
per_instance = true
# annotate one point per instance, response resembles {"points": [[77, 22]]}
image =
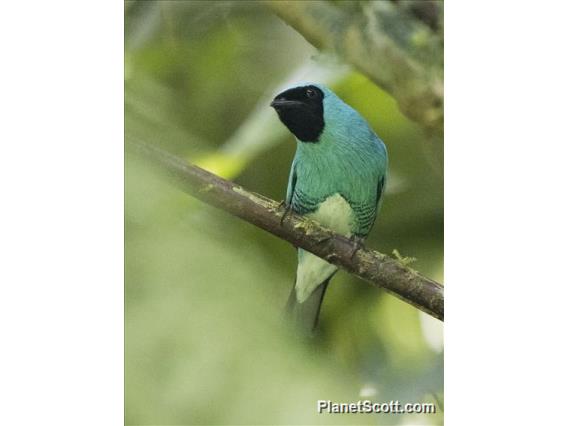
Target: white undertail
{"points": [[336, 214]]}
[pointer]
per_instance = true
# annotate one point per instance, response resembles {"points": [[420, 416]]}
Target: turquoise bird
{"points": [[337, 178]]}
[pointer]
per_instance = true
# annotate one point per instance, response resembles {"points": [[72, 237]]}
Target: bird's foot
{"points": [[357, 244], [287, 209], [324, 239]]}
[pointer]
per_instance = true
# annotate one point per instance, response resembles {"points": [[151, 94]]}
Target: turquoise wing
{"points": [[299, 201], [291, 183], [366, 212]]}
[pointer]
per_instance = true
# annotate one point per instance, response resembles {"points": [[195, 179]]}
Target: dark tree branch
{"points": [[369, 265], [384, 40]]}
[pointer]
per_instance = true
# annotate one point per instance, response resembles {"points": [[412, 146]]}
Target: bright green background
{"points": [[205, 340]]}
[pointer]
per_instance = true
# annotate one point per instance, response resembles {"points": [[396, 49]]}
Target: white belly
{"points": [[336, 214]]}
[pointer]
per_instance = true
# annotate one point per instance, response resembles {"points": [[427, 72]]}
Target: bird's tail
{"points": [[305, 315]]}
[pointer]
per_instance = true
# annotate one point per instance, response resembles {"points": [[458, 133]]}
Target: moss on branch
{"points": [[369, 265]]}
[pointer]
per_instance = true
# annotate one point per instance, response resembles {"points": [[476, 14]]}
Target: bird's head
{"points": [[301, 110]]}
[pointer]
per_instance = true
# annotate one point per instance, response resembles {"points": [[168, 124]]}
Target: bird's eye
{"points": [[310, 93]]}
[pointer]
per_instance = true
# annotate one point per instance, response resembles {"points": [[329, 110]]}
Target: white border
{"points": [[505, 212], [61, 220]]}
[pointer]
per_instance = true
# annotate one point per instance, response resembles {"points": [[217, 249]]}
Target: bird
{"points": [[337, 177]]}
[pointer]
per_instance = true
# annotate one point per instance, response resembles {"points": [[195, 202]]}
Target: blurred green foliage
{"points": [[205, 340]]}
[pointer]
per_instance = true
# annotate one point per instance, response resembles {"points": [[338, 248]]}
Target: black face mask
{"points": [[301, 110]]}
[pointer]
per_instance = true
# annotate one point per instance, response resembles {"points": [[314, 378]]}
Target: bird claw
{"points": [[324, 239], [287, 209], [357, 245]]}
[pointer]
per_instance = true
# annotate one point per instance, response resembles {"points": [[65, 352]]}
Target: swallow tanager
{"points": [[337, 178]]}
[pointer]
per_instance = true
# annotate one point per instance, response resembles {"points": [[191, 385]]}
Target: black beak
{"points": [[284, 103]]}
